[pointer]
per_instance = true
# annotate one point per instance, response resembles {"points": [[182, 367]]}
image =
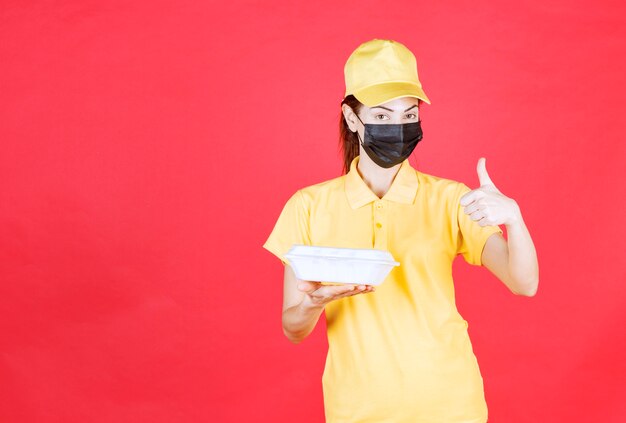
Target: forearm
{"points": [[300, 320], [523, 266]]}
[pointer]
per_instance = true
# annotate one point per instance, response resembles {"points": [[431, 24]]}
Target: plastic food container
{"points": [[361, 266]]}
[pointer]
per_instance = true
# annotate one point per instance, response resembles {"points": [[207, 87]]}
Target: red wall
{"points": [[148, 147]]}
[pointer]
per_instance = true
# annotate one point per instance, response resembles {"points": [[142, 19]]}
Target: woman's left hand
{"points": [[487, 205]]}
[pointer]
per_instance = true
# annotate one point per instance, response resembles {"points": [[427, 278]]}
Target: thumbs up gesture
{"points": [[486, 204]]}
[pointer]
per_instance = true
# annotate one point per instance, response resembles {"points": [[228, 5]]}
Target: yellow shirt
{"points": [[402, 353]]}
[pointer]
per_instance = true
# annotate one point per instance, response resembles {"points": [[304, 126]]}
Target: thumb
{"points": [[308, 286], [483, 176]]}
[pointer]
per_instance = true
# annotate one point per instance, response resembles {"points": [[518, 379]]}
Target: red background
{"points": [[147, 149]]}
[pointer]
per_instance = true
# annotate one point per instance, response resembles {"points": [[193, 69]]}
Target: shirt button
{"points": [[379, 206], [378, 225]]}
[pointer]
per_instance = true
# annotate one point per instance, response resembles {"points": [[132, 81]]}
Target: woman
{"points": [[402, 352]]}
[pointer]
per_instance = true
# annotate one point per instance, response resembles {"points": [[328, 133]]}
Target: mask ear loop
{"points": [[357, 131]]}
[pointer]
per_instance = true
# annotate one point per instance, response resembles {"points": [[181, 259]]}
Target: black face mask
{"points": [[390, 144]]}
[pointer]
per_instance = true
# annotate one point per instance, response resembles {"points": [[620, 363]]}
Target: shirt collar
{"points": [[403, 188]]}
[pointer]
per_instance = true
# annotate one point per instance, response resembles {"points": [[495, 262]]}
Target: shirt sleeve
{"points": [[292, 227], [472, 237]]}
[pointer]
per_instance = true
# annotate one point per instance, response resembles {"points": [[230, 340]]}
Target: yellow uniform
{"points": [[402, 353]]}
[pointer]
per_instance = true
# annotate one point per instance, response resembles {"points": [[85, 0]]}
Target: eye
{"points": [[412, 114], [383, 115]]}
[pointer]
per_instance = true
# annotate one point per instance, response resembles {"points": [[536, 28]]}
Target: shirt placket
{"points": [[381, 212]]}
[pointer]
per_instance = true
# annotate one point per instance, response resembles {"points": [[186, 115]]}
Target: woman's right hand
{"points": [[320, 295]]}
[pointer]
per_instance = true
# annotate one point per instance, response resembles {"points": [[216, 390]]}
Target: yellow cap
{"points": [[379, 71]]}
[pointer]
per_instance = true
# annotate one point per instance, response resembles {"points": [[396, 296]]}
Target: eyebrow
{"points": [[391, 110]]}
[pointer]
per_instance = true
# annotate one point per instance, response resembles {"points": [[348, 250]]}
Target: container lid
{"points": [[367, 254]]}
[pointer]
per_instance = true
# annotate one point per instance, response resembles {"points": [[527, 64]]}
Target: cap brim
{"points": [[376, 95]]}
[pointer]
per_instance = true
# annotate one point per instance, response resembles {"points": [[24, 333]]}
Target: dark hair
{"points": [[348, 140]]}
